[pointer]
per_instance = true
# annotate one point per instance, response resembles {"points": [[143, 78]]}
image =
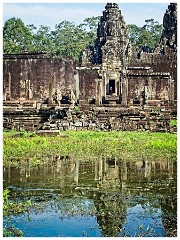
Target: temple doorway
{"points": [[111, 86]]}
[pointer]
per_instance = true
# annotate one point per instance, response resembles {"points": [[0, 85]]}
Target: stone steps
{"points": [[99, 119]]}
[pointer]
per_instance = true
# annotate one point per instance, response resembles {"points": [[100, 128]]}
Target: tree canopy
{"points": [[147, 36], [68, 39], [16, 36]]}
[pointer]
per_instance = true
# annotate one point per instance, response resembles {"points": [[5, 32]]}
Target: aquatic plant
{"points": [[131, 146], [13, 208]]}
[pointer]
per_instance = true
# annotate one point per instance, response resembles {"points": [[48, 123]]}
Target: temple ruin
{"points": [[113, 84]]}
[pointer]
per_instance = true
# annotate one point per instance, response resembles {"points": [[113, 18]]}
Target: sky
{"points": [[50, 14]]}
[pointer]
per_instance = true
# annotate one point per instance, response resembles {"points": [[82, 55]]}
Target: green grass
{"points": [[124, 145]]}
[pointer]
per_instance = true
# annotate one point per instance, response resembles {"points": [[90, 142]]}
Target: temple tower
{"points": [[112, 39], [111, 52]]}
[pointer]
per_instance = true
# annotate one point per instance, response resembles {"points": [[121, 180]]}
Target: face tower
{"points": [[112, 44], [111, 52]]}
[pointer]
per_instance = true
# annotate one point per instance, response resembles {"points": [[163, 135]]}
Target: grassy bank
{"points": [[128, 145]]}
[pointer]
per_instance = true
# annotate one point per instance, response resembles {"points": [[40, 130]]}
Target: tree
{"points": [[134, 32], [66, 40], [155, 30], [70, 40], [42, 39], [147, 36], [16, 36]]}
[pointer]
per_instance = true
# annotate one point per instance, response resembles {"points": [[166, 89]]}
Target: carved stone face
{"points": [[111, 37]]}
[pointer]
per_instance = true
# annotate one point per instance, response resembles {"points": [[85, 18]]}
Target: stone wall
{"points": [[144, 84], [87, 85], [164, 57], [36, 76], [159, 63], [26, 116], [110, 72]]}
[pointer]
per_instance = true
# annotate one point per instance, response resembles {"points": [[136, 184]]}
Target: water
{"points": [[97, 198]]}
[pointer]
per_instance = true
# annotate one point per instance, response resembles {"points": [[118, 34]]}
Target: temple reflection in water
{"points": [[112, 184]]}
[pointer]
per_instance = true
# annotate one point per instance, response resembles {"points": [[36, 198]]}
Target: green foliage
{"points": [[42, 40], [129, 145], [6, 195], [13, 208], [70, 40], [147, 36], [16, 36], [173, 122], [66, 40], [10, 207], [76, 109], [12, 232]]}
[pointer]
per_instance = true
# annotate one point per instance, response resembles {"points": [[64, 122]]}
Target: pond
{"points": [[102, 197]]}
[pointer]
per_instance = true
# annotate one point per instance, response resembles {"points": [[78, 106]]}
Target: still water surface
{"points": [[97, 198]]}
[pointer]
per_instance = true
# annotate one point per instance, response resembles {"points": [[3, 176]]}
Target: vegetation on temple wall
{"points": [[173, 123], [131, 146], [68, 39]]}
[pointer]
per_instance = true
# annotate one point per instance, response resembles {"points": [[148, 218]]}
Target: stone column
{"points": [[124, 82], [171, 89], [150, 88], [29, 93], [22, 93], [104, 83], [76, 77], [7, 94], [51, 85], [50, 100], [98, 91]]}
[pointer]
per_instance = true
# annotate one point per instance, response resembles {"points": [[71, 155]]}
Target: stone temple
{"points": [[113, 80]]}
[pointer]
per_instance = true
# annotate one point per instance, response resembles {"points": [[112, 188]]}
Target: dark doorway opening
{"points": [[111, 86]]}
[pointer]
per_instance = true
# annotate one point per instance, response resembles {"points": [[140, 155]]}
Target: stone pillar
{"points": [[98, 91], [118, 87], [51, 86], [7, 94], [50, 100], [150, 88], [29, 93], [22, 90], [171, 89], [76, 77], [104, 83], [124, 82]]}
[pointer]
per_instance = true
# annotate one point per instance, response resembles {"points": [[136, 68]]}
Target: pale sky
{"points": [[50, 14]]}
